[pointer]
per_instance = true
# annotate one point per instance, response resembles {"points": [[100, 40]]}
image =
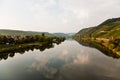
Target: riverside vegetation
{"points": [[106, 34], [10, 43]]}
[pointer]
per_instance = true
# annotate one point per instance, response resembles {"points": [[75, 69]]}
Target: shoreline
{"points": [[103, 43]]}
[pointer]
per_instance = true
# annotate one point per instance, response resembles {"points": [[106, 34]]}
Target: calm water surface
{"points": [[67, 61]]}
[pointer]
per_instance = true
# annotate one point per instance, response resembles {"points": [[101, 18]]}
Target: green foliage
{"points": [[13, 40]]}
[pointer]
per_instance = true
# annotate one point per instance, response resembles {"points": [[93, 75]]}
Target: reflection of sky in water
{"points": [[67, 61]]}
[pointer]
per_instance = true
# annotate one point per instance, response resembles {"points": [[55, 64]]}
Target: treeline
{"points": [[13, 40]]}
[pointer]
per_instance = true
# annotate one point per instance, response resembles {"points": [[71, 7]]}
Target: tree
{"points": [[43, 34]]}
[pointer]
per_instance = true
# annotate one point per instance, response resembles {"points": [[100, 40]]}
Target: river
{"points": [[66, 61]]}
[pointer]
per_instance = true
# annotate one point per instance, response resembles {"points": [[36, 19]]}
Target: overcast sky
{"points": [[56, 15]]}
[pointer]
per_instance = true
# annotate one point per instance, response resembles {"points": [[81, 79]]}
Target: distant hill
{"points": [[19, 32], [66, 35], [29, 33], [107, 29], [60, 34]]}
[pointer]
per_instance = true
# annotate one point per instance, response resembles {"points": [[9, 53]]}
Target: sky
{"points": [[56, 15]]}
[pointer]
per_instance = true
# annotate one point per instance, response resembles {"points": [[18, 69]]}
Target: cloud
{"points": [[82, 64], [56, 15]]}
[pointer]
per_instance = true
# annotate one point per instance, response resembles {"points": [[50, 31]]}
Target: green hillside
{"points": [[18, 32], [109, 28], [107, 35]]}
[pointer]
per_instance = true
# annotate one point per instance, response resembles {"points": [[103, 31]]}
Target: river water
{"points": [[66, 61]]}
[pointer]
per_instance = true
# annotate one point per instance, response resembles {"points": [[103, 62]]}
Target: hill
{"points": [[60, 34], [66, 35], [107, 29], [19, 32], [106, 35]]}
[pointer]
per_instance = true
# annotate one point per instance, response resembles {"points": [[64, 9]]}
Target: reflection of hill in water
{"points": [[21, 49], [99, 47]]}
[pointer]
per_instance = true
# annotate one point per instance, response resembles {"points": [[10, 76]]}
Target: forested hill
{"points": [[19, 32], [107, 29]]}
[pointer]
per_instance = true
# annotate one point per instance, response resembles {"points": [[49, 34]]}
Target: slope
{"points": [[109, 28]]}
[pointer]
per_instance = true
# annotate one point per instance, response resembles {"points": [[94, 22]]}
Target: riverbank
{"points": [[10, 43], [105, 43], [21, 48]]}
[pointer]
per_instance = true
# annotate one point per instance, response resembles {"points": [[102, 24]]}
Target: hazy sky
{"points": [[56, 15]]}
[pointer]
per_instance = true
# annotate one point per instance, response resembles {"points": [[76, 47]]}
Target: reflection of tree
{"points": [[99, 47], [11, 53]]}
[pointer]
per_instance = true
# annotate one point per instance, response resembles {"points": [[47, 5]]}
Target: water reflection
{"points": [[22, 49], [80, 64], [104, 50], [67, 61]]}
